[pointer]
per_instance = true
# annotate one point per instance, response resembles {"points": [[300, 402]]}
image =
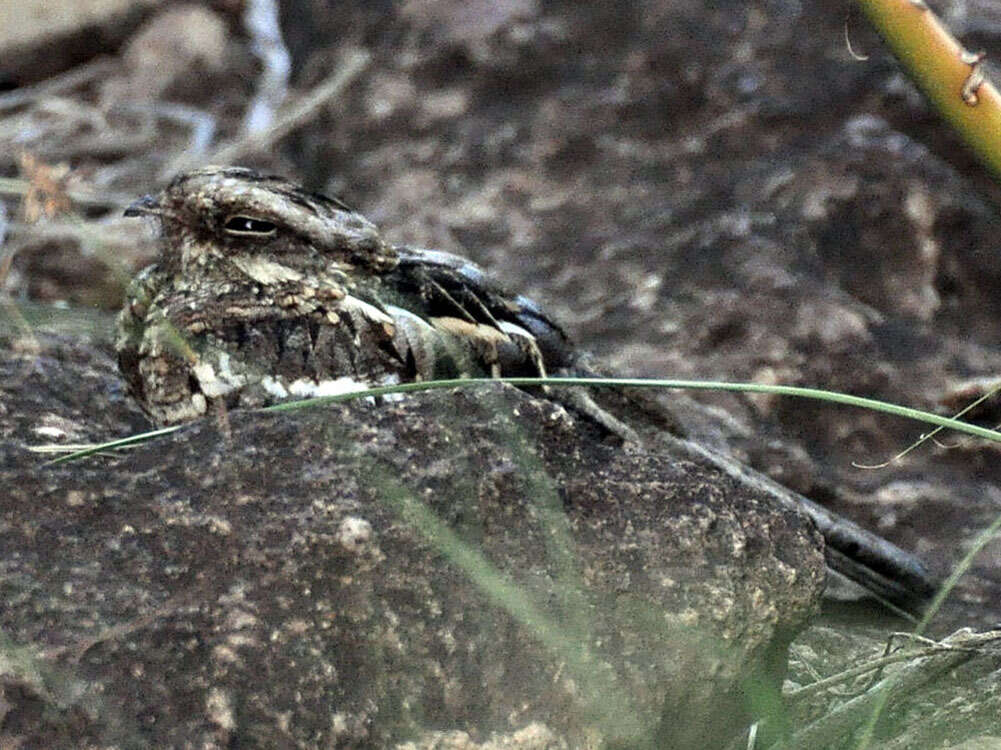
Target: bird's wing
{"points": [[447, 288]]}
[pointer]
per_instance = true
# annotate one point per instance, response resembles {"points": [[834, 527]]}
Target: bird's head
{"points": [[212, 213]]}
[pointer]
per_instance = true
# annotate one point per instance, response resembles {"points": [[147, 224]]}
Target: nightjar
{"points": [[264, 291]]}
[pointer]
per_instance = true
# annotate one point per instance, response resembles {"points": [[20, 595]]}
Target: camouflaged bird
{"points": [[264, 291]]}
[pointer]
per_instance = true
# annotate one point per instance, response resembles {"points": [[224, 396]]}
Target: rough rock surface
{"points": [[363, 573]]}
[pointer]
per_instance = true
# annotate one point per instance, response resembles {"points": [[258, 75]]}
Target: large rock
{"points": [[360, 574], [703, 190]]}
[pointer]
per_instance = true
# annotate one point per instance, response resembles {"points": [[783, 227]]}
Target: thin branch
{"points": [[298, 114], [260, 19], [950, 76], [70, 79]]}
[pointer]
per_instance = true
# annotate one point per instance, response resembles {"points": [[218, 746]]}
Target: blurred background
{"points": [[731, 190]]}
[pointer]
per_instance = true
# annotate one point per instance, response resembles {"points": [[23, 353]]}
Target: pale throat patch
{"points": [[215, 383], [265, 271]]}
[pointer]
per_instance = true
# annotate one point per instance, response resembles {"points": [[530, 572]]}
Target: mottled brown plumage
{"points": [[264, 291]]}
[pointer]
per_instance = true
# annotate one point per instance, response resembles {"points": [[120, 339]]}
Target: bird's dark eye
{"points": [[248, 226]]}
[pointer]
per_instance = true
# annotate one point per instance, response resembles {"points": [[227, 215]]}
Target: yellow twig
{"points": [[950, 76]]}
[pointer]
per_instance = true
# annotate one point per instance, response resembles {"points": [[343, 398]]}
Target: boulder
{"points": [[362, 574]]}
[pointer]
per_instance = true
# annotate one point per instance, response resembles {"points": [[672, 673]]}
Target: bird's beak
{"points": [[145, 206]]}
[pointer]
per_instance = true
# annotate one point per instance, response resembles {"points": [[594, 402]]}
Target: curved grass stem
{"points": [[781, 390]]}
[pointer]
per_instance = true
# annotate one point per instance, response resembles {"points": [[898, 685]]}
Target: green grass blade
{"points": [[704, 385]]}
